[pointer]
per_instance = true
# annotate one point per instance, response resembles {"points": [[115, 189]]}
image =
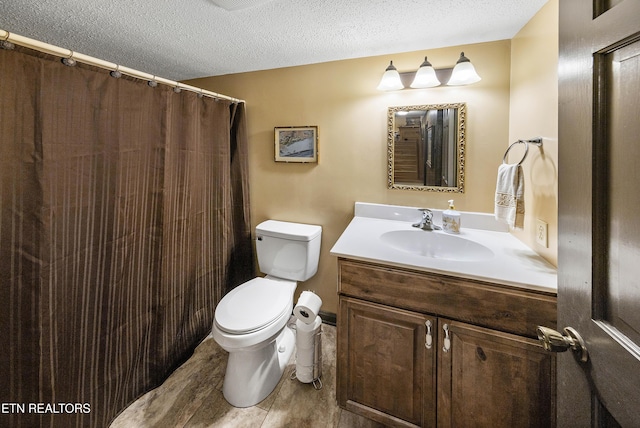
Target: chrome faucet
{"points": [[427, 220]]}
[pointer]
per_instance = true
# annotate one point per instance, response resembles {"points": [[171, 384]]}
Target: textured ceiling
{"points": [[183, 39]]}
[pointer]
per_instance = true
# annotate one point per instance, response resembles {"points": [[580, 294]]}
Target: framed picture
{"points": [[296, 144]]}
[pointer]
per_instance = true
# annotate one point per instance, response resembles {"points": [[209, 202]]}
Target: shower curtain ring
{"points": [[200, 94], [6, 44], [152, 82], [116, 73], [69, 61]]}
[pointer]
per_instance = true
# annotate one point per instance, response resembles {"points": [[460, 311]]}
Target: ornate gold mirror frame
{"points": [[423, 151]]}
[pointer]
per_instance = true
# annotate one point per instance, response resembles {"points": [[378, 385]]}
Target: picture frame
{"points": [[296, 144]]}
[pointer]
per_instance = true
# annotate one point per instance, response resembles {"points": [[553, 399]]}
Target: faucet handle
{"points": [[427, 217], [426, 213]]}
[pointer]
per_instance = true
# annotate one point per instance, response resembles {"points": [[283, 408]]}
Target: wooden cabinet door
{"points": [[492, 379], [386, 365]]}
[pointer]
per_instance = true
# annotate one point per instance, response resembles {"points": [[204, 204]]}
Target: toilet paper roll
{"points": [[303, 326], [308, 350], [304, 374], [304, 357], [305, 333], [308, 307]]}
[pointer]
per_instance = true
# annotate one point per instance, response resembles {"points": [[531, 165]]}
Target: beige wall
{"points": [[340, 98], [534, 112]]}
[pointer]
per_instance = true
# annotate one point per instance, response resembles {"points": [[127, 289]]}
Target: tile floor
{"points": [[192, 397]]}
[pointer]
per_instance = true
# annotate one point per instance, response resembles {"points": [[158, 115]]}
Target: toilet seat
{"points": [[253, 306]]}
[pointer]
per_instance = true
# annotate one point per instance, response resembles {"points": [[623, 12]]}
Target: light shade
{"points": [[464, 73], [425, 76], [390, 79]]}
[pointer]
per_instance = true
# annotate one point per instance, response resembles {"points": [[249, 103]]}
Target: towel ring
{"points": [[536, 141]]}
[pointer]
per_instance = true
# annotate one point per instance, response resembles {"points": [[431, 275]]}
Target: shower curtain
{"points": [[124, 220]]}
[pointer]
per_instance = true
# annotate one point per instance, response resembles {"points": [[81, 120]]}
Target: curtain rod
{"points": [[6, 36]]}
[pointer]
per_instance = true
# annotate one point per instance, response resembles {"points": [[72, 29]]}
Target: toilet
{"points": [[251, 321]]}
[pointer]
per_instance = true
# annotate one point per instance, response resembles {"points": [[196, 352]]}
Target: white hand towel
{"points": [[510, 195]]}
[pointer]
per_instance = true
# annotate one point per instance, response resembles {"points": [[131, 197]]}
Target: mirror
{"points": [[425, 147]]}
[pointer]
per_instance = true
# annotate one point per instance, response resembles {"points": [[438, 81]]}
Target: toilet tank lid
{"points": [[288, 230]]}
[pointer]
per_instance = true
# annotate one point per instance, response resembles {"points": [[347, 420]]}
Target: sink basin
{"points": [[436, 245]]}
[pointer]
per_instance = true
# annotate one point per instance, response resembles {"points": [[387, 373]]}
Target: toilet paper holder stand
{"points": [[317, 360]]}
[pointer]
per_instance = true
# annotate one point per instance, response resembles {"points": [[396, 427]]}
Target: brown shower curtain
{"points": [[124, 220]]}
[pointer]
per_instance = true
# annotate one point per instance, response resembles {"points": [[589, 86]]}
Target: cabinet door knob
{"points": [[429, 337], [447, 340]]}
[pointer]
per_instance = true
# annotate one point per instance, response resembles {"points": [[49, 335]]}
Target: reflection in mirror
{"points": [[426, 147]]}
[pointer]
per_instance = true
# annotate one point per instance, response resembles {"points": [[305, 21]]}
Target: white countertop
{"points": [[513, 263]]}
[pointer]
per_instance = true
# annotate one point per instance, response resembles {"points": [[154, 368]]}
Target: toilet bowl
{"points": [[257, 338], [251, 321]]}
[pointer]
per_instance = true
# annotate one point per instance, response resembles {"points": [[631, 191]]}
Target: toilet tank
{"points": [[288, 250]]}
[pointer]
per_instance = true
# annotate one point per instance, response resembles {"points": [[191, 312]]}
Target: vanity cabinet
{"points": [[422, 349]]}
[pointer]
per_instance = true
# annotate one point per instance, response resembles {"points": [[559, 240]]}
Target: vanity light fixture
{"points": [[425, 76], [390, 79], [464, 73]]}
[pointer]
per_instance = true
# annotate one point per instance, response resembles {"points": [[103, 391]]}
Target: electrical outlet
{"points": [[541, 233]]}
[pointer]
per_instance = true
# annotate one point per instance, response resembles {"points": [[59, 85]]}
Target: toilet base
{"points": [[252, 375]]}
